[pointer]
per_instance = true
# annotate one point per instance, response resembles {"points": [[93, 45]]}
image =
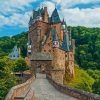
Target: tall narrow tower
{"points": [[58, 62]]}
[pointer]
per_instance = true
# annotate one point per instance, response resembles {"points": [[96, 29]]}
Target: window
{"points": [[38, 31], [55, 27], [48, 44], [71, 55], [44, 50], [71, 63], [49, 50]]}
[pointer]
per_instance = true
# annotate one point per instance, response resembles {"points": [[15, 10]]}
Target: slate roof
{"points": [[41, 56], [65, 44], [63, 22], [15, 53], [54, 34], [55, 17], [30, 20], [35, 14], [40, 12]]}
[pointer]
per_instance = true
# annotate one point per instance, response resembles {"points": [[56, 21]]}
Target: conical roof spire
{"points": [[30, 21], [55, 17], [54, 34], [63, 22], [65, 44]]}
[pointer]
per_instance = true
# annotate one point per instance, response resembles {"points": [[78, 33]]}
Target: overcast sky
{"points": [[15, 14]]}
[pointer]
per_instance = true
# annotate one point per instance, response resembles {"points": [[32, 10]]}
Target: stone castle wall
{"points": [[80, 95], [58, 65], [38, 32]]}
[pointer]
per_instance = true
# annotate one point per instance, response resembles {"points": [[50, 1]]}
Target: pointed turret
{"points": [[65, 44], [55, 37], [55, 17], [30, 21], [63, 25]]}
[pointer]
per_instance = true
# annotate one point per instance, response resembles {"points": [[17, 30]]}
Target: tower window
{"points": [[71, 55], [44, 50], [38, 31], [49, 50], [71, 63], [55, 27], [48, 44]]}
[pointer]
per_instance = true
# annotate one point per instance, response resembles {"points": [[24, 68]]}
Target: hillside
{"points": [[87, 41], [7, 44], [87, 55], [87, 47]]}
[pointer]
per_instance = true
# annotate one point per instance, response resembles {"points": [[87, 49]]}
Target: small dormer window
{"points": [[38, 32], [39, 18], [55, 44]]}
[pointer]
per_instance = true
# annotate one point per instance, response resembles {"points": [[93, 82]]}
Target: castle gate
{"points": [[41, 63]]}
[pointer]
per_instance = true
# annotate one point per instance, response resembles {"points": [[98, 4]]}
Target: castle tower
{"points": [[56, 23], [58, 62], [69, 55], [38, 27], [63, 29]]}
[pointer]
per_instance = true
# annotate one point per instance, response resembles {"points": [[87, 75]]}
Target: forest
{"points": [[87, 58]]}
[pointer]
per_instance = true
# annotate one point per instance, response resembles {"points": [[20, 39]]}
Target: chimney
{"points": [[45, 9], [45, 15]]}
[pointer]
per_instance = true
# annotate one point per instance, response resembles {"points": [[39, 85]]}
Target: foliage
{"points": [[96, 86], [87, 42], [87, 56], [7, 44], [96, 75], [81, 81], [87, 47], [20, 65], [7, 80]]}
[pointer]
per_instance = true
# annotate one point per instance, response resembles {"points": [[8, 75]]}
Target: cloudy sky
{"points": [[15, 14]]}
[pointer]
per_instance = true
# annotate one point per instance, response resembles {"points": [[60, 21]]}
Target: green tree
{"points": [[20, 65], [7, 79], [96, 86], [81, 81]]}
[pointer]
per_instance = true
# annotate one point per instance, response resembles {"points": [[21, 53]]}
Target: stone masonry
{"points": [[50, 46]]}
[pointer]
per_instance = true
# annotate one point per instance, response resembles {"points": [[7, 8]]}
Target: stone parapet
{"points": [[81, 95], [21, 92]]}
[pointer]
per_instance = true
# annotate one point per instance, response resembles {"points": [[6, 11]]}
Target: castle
{"points": [[50, 45]]}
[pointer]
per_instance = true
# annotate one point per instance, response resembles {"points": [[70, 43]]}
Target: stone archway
{"points": [[41, 62], [40, 67]]}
